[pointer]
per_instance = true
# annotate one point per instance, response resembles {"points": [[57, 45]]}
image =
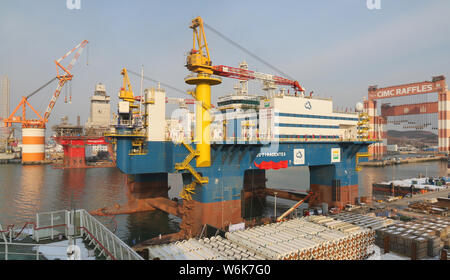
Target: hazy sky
{"points": [[334, 48]]}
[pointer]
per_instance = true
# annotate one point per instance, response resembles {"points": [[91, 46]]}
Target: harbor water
{"points": [[27, 190]]}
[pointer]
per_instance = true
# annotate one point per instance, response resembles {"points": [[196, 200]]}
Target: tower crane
{"points": [[63, 76]]}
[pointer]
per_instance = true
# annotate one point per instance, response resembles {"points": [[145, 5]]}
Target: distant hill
{"points": [[412, 137]]}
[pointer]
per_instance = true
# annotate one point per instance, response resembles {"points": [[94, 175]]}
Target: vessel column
{"points": [[203, 120], [202, 95]]}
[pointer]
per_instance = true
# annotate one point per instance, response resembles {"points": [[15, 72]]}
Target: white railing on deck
{"points": [[104, 240], [77, 223]]}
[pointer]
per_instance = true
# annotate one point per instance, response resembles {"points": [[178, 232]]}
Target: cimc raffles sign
{"points": [[404, 90]]}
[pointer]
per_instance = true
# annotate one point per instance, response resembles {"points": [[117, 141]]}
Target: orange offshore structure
{"points": [[33, 130], [379, 120]]}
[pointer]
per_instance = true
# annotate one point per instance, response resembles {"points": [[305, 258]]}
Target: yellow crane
{"points": [[199, 62], [126, 92]]}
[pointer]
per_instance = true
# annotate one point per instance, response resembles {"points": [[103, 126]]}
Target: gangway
{"points": [[51, 226]]}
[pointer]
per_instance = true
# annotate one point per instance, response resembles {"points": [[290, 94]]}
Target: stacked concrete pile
{"points": [[214, 248], [428, 234], [315, 237], [364, 220]]}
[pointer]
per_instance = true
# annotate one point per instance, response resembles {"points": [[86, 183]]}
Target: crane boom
{"points": [[243, 74], [65, 77]]}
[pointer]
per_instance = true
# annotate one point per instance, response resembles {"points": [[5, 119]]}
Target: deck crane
{"points": [[199, 62], [127, 107], [63, 76]]}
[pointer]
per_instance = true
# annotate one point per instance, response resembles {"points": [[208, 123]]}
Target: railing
{"points": [[37, 255], [75, 224], [109, 244]]}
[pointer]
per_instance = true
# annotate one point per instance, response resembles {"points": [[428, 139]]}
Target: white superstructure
{"points": [[300, 117], [100, 108], [239, 117], [155, 114]]}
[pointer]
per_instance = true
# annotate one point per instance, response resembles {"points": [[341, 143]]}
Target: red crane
{"points": [[243, 74]]}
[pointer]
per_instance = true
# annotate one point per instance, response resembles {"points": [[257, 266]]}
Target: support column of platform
{"points": [[253, 193], [333, 185], [148, 185], [444, 120], [217, 203], [75, 154]]}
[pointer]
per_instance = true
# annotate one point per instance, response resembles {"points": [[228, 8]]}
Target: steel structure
{"points": [[379, 120]]}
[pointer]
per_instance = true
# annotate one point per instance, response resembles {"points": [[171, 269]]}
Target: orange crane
{"points": [[63, 76]]}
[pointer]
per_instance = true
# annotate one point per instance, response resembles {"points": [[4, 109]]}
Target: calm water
{"points": [[26, 190]]}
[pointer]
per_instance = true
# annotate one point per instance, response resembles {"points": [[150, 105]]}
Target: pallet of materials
{"points": [[424, 237], [364, 220]]}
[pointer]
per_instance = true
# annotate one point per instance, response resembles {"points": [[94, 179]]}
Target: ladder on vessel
{"points": [[188, 190]]}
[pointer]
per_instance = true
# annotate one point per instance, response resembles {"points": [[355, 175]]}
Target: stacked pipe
{"points": [[306, 239], [315, 237], [214, 248], [364, 220]]}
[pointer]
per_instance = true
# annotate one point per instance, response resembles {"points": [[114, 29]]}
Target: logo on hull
{"points": [[272, 165], [308, 105]]}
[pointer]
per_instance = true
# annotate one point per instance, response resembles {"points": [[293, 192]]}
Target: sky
{"points": [[334, 48]]}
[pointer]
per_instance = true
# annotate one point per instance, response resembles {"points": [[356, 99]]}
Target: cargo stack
{"points": [[311, 238], [214, 248], [308, 238], [364, 220], [419, 239]]}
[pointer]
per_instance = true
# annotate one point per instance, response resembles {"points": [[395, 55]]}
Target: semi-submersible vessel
{"points": [[224, 151]]}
